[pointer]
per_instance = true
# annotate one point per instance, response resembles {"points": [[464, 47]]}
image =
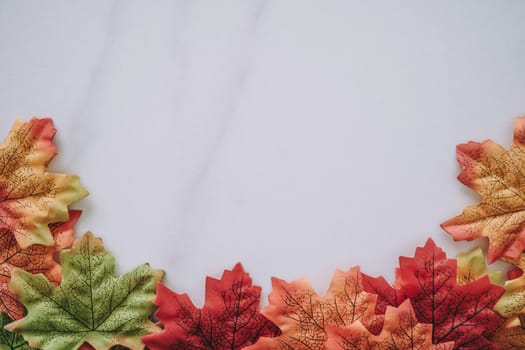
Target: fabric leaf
{"points": [[30, 197], [511, 337], [401, 330], [303, 316], [472, 265], [34, 259], [429, 280], [460, 313], [89, 305], [9, 340], [498, 176], [229, 319], [386, 295], [512, 303]]}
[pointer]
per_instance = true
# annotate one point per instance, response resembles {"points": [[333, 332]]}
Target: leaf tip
{"points": [[519, 130], [157, 274]]}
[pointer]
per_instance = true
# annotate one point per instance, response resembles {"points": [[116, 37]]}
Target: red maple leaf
{"points": [[229, 319], [460, 313], [386, 295]]}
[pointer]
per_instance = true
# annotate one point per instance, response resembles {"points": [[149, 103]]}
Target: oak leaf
{"points": [[303, 316], [34, 259], [401, 330], [229, 319], [30, 197], [90, 305], [460, 313], [499, 177]]}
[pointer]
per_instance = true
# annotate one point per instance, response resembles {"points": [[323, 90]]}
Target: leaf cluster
{"points": [[57, 293]]}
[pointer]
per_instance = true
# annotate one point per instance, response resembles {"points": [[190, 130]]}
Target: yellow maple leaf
{"points": [[472, 266], [512, 302], [31, 198], [499, 177]]}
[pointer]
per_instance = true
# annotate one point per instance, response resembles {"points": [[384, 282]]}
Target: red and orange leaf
{"points": [[303, 316], [498, 176], [64, 232], [34, 259], [460, 313], [229, 319], [401, 330], [30, 197]]}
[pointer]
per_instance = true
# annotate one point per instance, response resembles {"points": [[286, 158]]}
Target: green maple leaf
{"points": [[90, 305], [9, 340]]}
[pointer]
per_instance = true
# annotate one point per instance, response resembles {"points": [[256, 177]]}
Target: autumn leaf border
{"points": [[470, 269]]}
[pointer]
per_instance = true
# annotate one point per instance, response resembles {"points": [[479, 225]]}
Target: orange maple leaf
{"points": [[35, 259], [400, 331], [30, 197], [303, 316], [499, 177]]}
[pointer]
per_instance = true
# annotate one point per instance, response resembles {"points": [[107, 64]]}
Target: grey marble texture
{"points": [[294, 136]]}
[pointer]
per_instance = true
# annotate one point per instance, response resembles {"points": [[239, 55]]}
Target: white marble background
{"points": [[294, 136]]}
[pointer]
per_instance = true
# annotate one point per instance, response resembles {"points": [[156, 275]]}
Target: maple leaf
{"points": [[386, 295], [9, 340], [511, 337], [303, 316], [34, 259], [472, 266], [30, 197], [512, 303], [401, 330], [498, 176], [229, 319], [460, 313], [90, 305]]}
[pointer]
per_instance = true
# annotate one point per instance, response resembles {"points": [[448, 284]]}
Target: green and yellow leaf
{"points": [[472, 266], [90, 305]]}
